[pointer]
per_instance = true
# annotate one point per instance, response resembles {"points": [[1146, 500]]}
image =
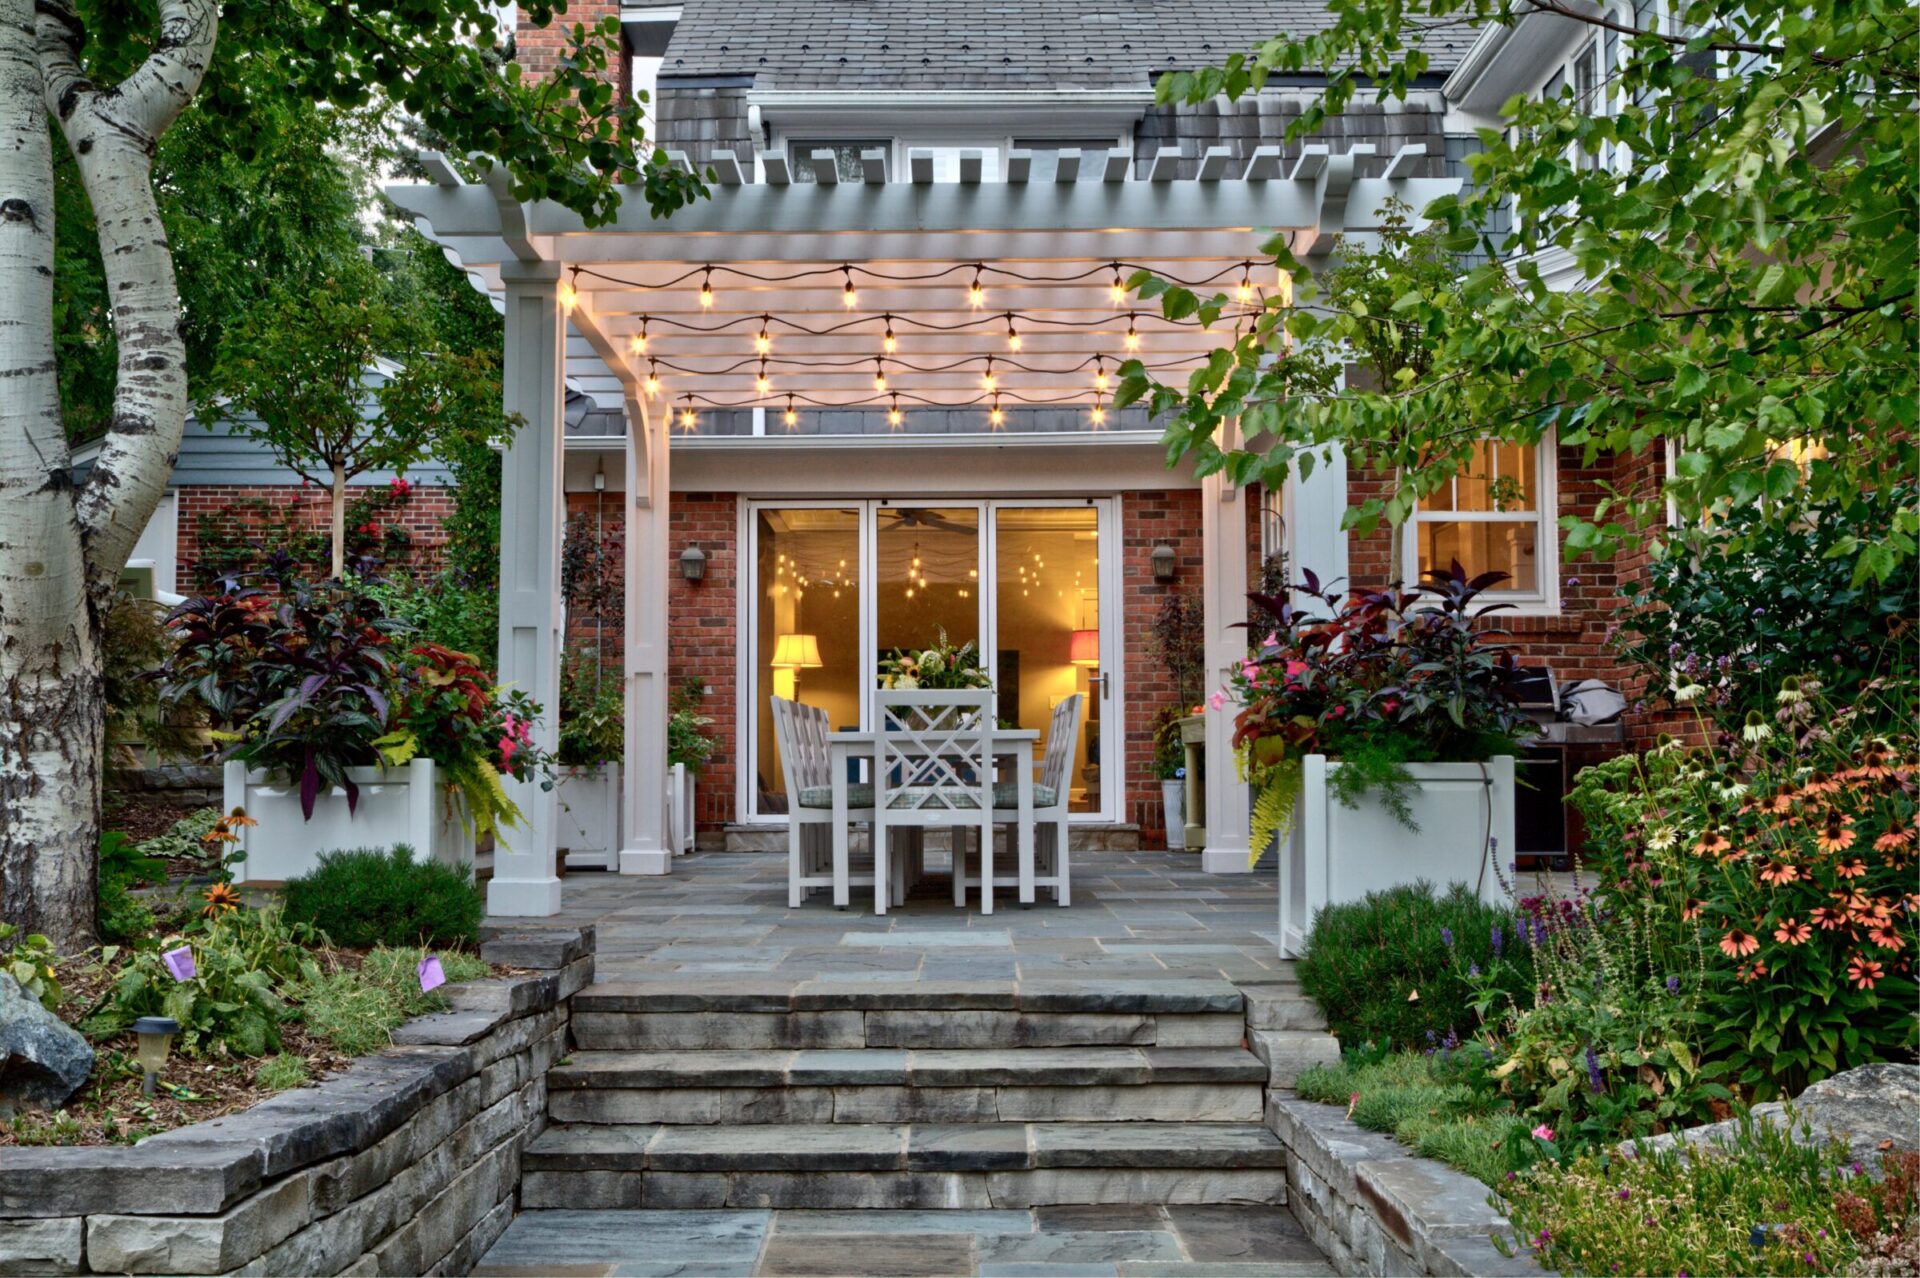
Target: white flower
{"points": [[1756, 729], [1661, 838], [1691, 692], [1733, 791]]}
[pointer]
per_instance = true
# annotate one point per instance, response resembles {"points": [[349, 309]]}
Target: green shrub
{"points": [[29, 960], [1692, 1210], [1393, 966], [371, 897]]}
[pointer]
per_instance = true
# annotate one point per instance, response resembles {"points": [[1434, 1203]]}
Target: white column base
{"points": [[645, 861], [1224, 861], [523, 898]]}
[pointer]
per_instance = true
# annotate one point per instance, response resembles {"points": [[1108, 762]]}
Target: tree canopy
{"points": [[1740, 198]]}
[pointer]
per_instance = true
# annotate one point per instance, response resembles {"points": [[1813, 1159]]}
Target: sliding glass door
{"points": [[832, 587]]}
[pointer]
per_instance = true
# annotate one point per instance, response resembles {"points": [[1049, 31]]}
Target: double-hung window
{"points": [[847, 153], [1496, 515]]}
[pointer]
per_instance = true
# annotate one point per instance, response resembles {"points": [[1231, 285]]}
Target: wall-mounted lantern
{"points": [[1163, 563], [693, 563]]}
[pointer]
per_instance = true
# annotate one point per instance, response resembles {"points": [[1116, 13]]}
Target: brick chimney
{"points": [[539, 49]]}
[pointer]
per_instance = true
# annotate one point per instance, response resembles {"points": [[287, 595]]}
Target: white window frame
{"points": [[1544, 602]]}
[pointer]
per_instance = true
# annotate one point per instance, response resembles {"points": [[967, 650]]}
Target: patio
{"points": [[1135, 915]]}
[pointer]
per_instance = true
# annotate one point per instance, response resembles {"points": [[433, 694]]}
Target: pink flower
{"points": [[1389, 705], [1249, 668], [507, 746], [1543, 1132], [1219, 699], [1271, 641]]}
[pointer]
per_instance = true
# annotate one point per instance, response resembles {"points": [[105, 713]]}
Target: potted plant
{"points": [[1179, 641], [336, 731], [1170, 769], [689, 746], [592, 743], [1378, 734]]}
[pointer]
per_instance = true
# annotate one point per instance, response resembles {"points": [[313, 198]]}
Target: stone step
{"points": [[904, 1028], [1153, 997], [902, 1067], [900, 1165], [1282, 1007], [1287, 1053]]}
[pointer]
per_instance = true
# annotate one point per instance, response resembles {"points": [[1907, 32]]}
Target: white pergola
{"points": [[662, 316]]}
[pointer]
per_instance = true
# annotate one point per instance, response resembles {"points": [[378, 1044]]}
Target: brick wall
{"points": [[1146, 520], [701, 634], [231, 509], [540, 49]]}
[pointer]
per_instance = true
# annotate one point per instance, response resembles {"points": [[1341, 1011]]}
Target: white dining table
{"points": [[848, 744]]}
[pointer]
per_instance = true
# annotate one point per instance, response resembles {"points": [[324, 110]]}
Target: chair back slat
{"points": [[1063, 735], [801, 732], [933, 754]]}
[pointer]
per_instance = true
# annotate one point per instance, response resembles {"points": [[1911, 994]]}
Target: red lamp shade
{"points": [[1085, 648]]}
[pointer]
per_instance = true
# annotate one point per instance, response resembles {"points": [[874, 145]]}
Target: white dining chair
{"points": [[815, 858], [1051, 791], [933, 766]]}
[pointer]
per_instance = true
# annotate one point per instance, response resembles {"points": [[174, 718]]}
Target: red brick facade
{"points": [[540, 49], [236, 511], [702, 634], [1146, 520]]}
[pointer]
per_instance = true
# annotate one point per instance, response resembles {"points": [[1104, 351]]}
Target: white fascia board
{"points": [[1029, 112], [1506, 60]]}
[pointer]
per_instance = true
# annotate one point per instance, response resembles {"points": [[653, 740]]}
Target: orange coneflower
{"points": [[1850, 869], [1887, 939], [1778, 873], [1877, 765], [1748, 971], [1820, 783], [1712, 843], [1852, 902], [221, 898], [1893, 841], [1836, 835], [1792, 932], [1829, 919], [1738, 944], [1863, 972], [1690, 911], [1779, 803]]}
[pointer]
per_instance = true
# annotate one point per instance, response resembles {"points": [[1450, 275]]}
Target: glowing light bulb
{"points": [[792, 417], [996, 416], [637, 344], [1099, 374], [849, 296], [1133, 335], [569, 296], [763, 341], [761, 383], [1013, 335], [889, 343], [893, 413], [879, 378], [706, 290], [1246, 284], [687, 418], [1118, 288], [987, 380], [976, 294], [1099, 414], [653, 380]]}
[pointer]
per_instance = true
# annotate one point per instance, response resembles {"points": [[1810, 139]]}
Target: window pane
{"points": [[846, 157], [1047, 611], [1507, 546], [927, 576], [808, 612], [1516, 478], [1475, 481]]}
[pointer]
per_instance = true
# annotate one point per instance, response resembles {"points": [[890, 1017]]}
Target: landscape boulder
{"points": [[43, 1060]]}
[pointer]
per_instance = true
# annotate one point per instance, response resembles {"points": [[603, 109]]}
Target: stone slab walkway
{"points": [[1046, 1242], [1134, 915]]}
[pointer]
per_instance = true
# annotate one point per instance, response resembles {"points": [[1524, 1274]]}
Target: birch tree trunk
{"points": [[62, 545], [339, 521]]}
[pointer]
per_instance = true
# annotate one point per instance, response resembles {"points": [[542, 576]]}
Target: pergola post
{"points": [[1223, 540], [643, 837], [531, 509]]}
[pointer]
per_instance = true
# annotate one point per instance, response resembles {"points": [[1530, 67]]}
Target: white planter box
{"points": [[589, 805], [407, 805], [1173, 801], [680, 808], [1338, 854]]}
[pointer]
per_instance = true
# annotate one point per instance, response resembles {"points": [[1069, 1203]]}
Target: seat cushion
{"points": [[860, 795]]}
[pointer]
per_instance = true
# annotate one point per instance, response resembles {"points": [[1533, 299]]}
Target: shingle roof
{"points": [[988, 44]]}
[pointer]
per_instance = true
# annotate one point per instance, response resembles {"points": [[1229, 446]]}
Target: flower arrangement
{"points": [[939, 666], [1376, 680], [1786, 854], [320, 681]]}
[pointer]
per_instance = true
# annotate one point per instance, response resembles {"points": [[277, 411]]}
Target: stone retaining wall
{"points": [[1374, 1207], [406, 1162]]}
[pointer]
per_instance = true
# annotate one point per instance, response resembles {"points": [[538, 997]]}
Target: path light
{"points": [[1164, 560], [155, 1038], [693, 562]]}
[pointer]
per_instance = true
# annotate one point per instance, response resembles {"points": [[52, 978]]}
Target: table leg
{"points": [[841, 854], [1024, 782]]}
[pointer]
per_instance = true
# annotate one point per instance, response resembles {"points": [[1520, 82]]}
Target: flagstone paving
{"points": [[1134, 915], [1045, 1242]]}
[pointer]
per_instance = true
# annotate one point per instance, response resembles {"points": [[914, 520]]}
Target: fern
{"points": [[397, 748], [1274, 804]]}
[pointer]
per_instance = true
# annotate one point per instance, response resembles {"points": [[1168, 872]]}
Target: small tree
{"points": [[302, 365], [1180, 643]]}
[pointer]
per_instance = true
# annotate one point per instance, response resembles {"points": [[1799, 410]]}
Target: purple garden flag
{"points": [[431, 974], [180, 963]]}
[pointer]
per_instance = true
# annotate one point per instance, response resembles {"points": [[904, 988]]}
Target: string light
{"points": [[1133, 334], [976, 294], [893, 414], [706, 290], [1246, 283], [1099, 374], [653, 378], [763, 342], [849, 296], [996, 417], [761, 383], [638, 342], [1099, 413], [987, 380], [1013, 334], [879, 377], [792, 419], [687, 417], [569, 292], [889, 343]]}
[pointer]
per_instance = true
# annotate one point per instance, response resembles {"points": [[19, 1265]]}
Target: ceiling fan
{"points": [[933, 520]]}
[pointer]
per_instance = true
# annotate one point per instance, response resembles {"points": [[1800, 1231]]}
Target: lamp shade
{"points": [[1085, 648], [796, 652]]}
